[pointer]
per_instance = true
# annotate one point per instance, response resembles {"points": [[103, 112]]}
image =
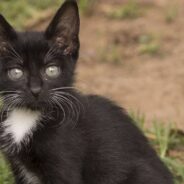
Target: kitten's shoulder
{"points": [[97, 102], [104, 109], [102, 112]]}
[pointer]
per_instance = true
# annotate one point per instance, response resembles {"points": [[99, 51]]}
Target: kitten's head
{"points": [[37, 67]]}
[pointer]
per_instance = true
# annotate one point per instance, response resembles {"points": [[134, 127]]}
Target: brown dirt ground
{"points": [[152, 85]]}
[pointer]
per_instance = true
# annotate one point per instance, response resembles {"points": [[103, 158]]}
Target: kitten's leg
{"points": [[20, 181], [52, 172], [137, 173], [18, 173], [146, 173], [19, 178]]}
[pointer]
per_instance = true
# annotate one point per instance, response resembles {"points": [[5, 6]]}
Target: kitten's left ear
{"points": [[64, 28], [7, 33]]}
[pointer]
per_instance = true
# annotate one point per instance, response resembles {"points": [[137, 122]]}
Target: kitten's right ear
{"points": [[64, 28], [7, 33]]}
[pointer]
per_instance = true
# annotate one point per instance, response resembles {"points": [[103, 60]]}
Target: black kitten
{"points": [[50, 133]]}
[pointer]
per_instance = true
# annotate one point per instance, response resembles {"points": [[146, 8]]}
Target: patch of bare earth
{"points": [[151, 85]]}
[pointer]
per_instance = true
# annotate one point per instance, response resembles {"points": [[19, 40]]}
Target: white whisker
{"points": [[61, 107], [62, 88], [14, 53]]}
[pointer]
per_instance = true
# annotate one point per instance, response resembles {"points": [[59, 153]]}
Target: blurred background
{"points": [[132, 51]]}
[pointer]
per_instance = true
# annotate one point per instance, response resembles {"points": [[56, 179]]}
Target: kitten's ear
{"points": [[7, 33], [64, 28]]}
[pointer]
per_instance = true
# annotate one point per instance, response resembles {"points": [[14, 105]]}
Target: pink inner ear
{"points": [[70, 46], [65, 24]]}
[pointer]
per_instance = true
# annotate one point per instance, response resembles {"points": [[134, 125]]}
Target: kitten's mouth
{"points": [[34, 103], [34, 106], [37, 106]]}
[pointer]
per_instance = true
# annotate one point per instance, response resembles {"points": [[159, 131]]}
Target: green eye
{"points": [[15, 74], [53, 71]]}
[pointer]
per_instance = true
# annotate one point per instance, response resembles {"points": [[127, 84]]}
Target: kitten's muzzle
{"points": [[35, 90]]}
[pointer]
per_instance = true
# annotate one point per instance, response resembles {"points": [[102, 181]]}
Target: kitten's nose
{"points": [[35, 90]]}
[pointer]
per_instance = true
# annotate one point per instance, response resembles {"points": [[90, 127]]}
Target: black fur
{"points": [[96, 142]]}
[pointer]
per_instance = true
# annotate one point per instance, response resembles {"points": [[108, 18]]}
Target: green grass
{"points": [[149, 44], [5, 174], [171, 14], [168, 142], [165, 143], [130, 10], [110, 54], [87, 7]]}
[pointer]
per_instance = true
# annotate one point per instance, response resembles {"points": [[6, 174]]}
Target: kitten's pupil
{"points": [[53, 71], [15, 74]]}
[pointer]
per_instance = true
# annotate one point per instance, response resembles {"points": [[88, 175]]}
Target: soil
{"points": [[111, 62], [150, 85]]}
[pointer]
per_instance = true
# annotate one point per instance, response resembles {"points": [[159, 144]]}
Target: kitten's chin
{"points": [[33, 107]]}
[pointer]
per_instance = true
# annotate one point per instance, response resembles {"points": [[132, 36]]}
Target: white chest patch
{"points": [[21, 123]]}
